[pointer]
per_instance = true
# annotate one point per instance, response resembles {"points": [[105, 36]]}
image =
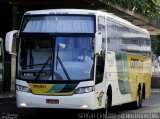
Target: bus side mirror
{"points": [[98, 42], [9, 40]]}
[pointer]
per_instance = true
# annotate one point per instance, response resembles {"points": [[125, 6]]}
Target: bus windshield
{"points": [[55, 58], [58, 24]]}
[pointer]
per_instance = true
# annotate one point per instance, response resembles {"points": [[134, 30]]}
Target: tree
{"points": [[148, 8], [155, 45]]}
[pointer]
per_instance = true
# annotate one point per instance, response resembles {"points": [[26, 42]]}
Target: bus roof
{"points": [[62, 11], [88, 12]]}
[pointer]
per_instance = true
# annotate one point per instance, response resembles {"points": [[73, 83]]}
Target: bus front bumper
{"points": [[75, 101]]}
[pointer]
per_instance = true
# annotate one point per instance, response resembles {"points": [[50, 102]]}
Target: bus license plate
{"points": [[52, 101]]}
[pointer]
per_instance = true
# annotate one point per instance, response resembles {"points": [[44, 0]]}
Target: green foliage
{"points": [[155, 44], [149, 8]]}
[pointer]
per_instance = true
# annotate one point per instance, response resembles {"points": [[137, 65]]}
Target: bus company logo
{"points": [[136, 63], [39, 86], [100, 98]]}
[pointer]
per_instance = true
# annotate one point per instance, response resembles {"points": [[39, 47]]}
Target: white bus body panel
{"points": [[112, 79]]}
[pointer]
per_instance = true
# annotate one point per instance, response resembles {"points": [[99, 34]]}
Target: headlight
{"points": [[23, 88], [84, 90]]}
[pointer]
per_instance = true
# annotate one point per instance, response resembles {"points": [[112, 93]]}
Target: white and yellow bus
{"points": [[50, 74]]}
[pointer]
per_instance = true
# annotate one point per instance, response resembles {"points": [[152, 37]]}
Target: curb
{"points": [[7, 95], [155, 90]]}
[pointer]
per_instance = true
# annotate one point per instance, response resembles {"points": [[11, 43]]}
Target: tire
{"points": [[139, 101], [107, 108]]}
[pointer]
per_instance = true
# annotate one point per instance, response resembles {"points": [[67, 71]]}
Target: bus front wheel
{"points": [[107, 108]]}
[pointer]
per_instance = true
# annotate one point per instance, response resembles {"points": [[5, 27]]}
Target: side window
{"points": [[102, 28], [123, 38], [114, 36]]}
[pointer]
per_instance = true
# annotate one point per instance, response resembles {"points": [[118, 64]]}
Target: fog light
{"points": [[84, 106], [23, 104]]}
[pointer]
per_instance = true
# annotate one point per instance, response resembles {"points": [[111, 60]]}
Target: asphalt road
{"points": [[150, 110]]}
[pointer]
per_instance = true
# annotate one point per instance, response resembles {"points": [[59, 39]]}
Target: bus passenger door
{"points": [[99, 79], [100, 85]]}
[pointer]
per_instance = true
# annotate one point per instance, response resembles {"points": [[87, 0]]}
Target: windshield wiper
{"points": [[64, 69], [43, 67]]}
